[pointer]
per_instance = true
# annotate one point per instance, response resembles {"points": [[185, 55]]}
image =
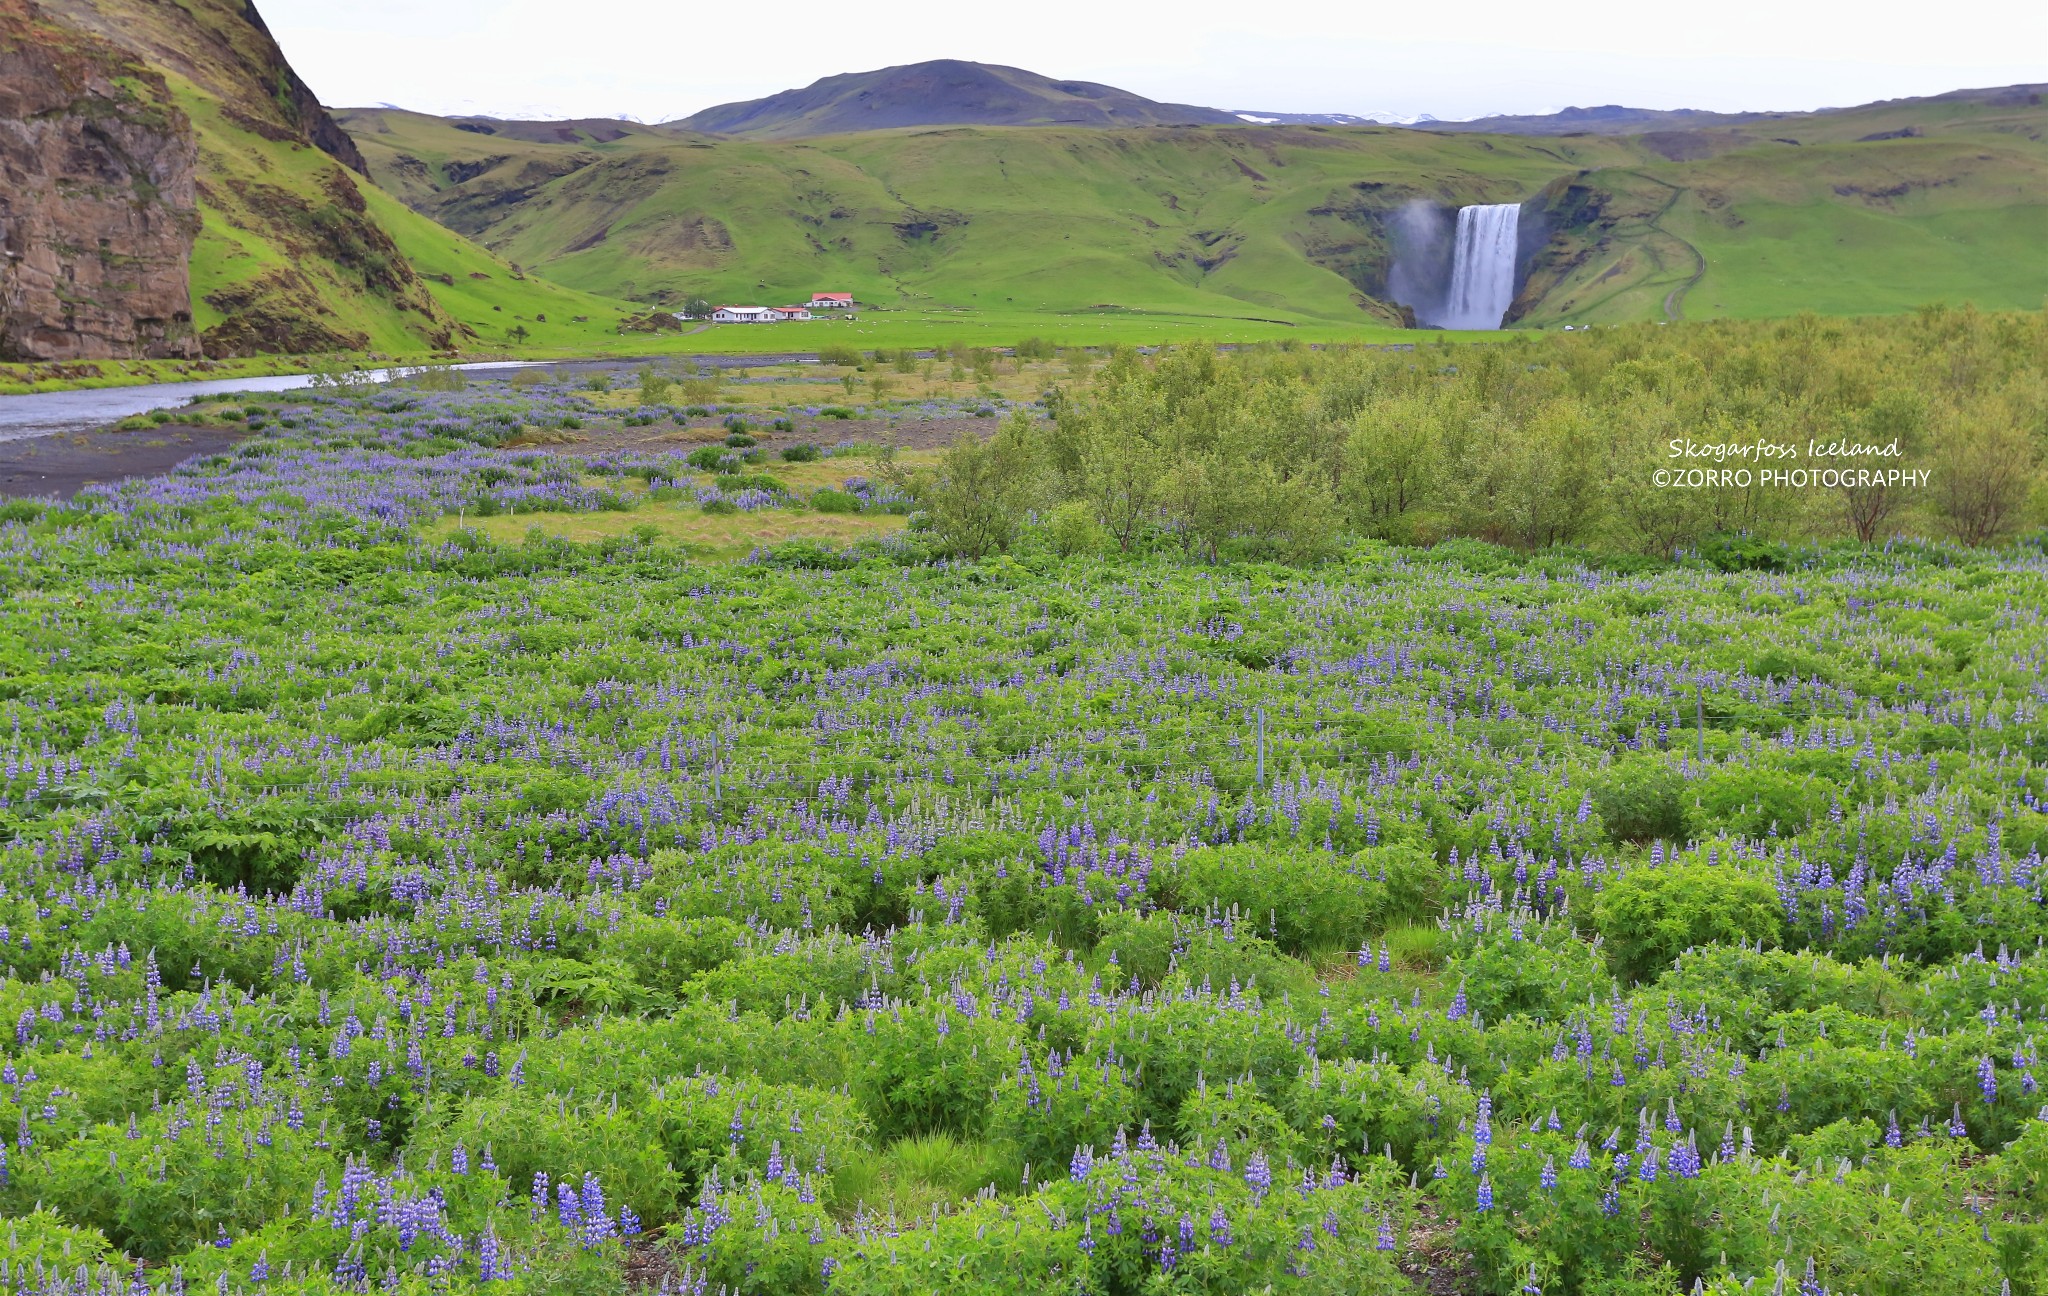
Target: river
{"points": [[49, 413]]}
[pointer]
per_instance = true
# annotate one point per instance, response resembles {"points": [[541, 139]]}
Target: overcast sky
{"points": [[661, 59]]}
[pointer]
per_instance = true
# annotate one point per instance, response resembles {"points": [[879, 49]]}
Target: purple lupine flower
{"points": [[1219, 1227], [490, 1259], [1258, 1174]]}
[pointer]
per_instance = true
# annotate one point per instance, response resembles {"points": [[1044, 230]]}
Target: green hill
{"points": [[1870, 209], [296, 251]]}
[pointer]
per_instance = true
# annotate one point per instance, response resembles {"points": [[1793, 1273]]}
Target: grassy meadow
{"points": [[1259, 821]]}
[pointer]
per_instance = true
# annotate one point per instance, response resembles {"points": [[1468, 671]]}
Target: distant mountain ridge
{"points": [[1616, 119], [1333, 119], [955, 92], [943, 92]]}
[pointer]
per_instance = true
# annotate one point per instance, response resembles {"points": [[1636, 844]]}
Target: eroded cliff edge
{"points": [[98, 201]]}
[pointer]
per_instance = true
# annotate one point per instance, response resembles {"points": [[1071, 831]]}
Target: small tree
{"points": [[980, 493], [697, 308], [654, 387], [517, 335], [1896, 414], [1983, 472]]}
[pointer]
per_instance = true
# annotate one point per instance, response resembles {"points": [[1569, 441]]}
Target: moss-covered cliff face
{"points": [[98, 205], [289, 255]]}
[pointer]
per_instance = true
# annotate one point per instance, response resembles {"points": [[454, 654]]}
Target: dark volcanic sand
{"points": [[61, 465]]}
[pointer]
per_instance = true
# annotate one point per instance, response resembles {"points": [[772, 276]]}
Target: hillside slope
{"points": [[1231, 220], [287, 258], [943, 92], [296, 249], [1860, 210]]}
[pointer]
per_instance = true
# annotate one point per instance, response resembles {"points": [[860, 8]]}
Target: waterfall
{"points": [[1482, 267]]}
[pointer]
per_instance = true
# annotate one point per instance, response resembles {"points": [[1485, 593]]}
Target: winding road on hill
{"points": [[1674, 301]]}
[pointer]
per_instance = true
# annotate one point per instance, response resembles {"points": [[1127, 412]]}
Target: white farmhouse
{"points": [[746, 315]]}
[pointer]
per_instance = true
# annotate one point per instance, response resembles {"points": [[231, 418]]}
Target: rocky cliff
{"points": [[291, 253], [98, 205]]}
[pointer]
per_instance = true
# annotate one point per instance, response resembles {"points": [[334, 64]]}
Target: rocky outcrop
{"points": [[97, 199], [291, 255]]}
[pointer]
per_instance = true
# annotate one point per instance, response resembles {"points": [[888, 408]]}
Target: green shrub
{"points": [[805, 453], [1306, 900], [1650, 916], [1640, 798], [1752, 803], [1072, 530]]}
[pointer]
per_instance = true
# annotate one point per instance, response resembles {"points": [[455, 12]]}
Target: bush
{"points": [[1072, 530], [1306, 900], [1649, 917], [741, 441], [835, 412], [805, 453], [1640, 798], [828, 500], [1752, 803]]}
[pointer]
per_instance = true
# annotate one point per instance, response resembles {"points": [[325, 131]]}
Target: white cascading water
{"points": [[1482, 267]]}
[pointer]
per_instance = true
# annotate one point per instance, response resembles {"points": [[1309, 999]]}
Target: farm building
{"points": [[831, 301], [746, 315]]}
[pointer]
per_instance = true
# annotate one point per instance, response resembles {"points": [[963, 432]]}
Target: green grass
{"points": [[1789, 260], [702, 536], [912, 1175], [1832, 226], [27, 379]]}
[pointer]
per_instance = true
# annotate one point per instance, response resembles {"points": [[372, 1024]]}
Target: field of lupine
{"points": [[386, 910]]}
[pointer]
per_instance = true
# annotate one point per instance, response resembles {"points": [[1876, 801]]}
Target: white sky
{"points": [[661, 59]]}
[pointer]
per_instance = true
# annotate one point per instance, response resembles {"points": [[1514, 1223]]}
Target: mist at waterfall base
{"points": [[1456, 273]]}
